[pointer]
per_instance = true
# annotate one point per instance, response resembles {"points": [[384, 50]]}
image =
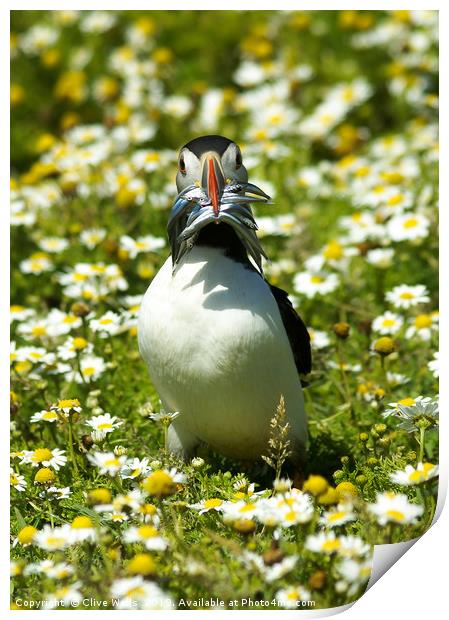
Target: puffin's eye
{"points": [[182, 165], [238, 160]]}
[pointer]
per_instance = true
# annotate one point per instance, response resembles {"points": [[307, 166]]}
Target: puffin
{"points": [[221, 344]]}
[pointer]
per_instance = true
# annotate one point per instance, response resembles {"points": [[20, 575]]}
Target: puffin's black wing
{"points": [[296, 331]]}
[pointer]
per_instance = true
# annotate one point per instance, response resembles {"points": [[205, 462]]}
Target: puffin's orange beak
{"points": [[213, 180]]}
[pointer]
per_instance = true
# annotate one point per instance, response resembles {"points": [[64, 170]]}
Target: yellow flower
{"points": [[162, 55], [50, 58], [244, 526], [99, 496], [331, 496], [41, 454], [341, 330], [44, 142], [346, 489], [141, 564], [333, 251], [44, 476], [316, 485], [16, 94], [384, 345], [26, 535], [82, 522], [159, 484], [72, 86]]}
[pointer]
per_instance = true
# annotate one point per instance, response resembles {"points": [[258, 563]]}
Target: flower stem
{"points": [[71, 450], [422, 432]]}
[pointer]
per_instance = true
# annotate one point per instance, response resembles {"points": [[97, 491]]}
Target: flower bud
{"points": [[80, 309], [384, 346], [341, 330]]}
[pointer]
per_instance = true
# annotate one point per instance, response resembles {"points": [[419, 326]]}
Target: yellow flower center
{"points": [[41, 454], [412, 222], [79, 343], [213, 503], [39, 330], [407, 402], [82, 522], [147, 531], [388, 322], [333, 251], [160, 484], [44, 475], [316, 279], [331, 545], [396, 515], [88, 372], [55, 541], [417, 476], [103, 426], [150, 157], [423, 320], [49, 415], [68, 403], [26, 534], [141, 564], [335, 516], [395, 200], [112, 463], [406, 295]]}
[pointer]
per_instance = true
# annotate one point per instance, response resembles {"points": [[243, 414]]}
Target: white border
{"points": [[416, 585]]}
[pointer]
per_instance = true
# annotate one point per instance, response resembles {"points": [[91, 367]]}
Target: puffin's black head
{"points": [[214, 193], [210, 162]]}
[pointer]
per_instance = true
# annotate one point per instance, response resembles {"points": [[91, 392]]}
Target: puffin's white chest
{"points": [[217, 352]]}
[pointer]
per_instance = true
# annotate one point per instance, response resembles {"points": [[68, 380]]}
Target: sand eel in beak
{"points": [[221, 344]]}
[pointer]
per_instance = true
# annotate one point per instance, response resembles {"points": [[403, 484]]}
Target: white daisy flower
{"points": [[36, 264], [323, 542], [92, 237], [53, 539], [20, 313], [135, 468], [206, 505], [422, 327], [394, 508], [59, 492], [17, 480], [44, 416], [319, 339], [91, 367], [138, 593], [338, 516], [43, 457], [107, 462], [108, 324], [434, 365], [104, 422], [53, 244], [146, 534], [82, 529], [291, 596], [67, 595], [387, 323], [408, 227], [380, 257], [312, 284], [405, 296], [411, 476], [142, 244]]}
